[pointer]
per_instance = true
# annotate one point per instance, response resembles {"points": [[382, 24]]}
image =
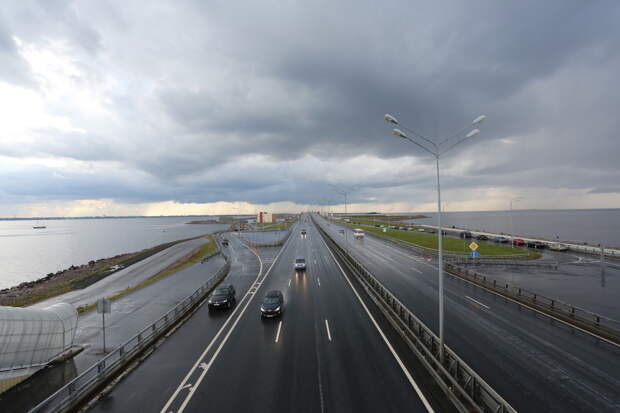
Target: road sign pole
{"points": [[103, 320]]}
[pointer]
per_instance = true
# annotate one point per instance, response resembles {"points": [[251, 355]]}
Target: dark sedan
{"points": [[482, 238], [272, 304], [222, 297], [501, 240]]}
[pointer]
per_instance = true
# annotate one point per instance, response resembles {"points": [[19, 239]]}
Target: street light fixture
{"points": [[437, 150]]}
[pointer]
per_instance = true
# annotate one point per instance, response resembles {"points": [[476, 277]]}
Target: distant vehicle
{"points": [[377, 226], [303, 231], [501, 240], [536, 244], [410, 229], [300, 264], [358, 233], [341, 231], [431, 231], [518, 242], [558, 247], [225, 242], [222, 297], [272, 304], [482, 237], [421, 230], [465, 235]]}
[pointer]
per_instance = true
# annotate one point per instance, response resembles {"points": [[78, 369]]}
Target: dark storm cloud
{"points": [[199, 89]]}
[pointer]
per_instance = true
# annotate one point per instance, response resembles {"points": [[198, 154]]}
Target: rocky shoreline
{"points": [[75, 277]]}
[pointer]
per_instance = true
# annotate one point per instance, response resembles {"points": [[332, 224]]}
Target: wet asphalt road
{"points": [[323, 354], [129, 315], [126, 277], [577, 281], [536, 364]]}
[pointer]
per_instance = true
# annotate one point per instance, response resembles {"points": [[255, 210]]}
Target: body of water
{"points": [[28, 254], [593, 226]]}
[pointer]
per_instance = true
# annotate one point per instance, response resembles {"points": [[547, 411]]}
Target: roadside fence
{"points": [[602, 326], [463, 386], [79, 389]]}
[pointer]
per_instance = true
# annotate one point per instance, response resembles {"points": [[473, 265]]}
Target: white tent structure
{"points": [[32, 337]]}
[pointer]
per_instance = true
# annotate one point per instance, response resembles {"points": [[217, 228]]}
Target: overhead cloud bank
{"points": [[198, 107]]}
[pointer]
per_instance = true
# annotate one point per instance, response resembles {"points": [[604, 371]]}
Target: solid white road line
{"points": [[478, 302], [510, 299], [289, 282], [278, 333], [199, 363], [318, 280], [427, 405], [329, 336], [416, 270]]}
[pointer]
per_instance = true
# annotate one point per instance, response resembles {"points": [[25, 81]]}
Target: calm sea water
{"points": [[27, 254], [593, 226]]}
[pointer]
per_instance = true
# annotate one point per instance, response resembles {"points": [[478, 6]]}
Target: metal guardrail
{"points": [[74, 392], [467, 390], [600, 325], [431, 252]]}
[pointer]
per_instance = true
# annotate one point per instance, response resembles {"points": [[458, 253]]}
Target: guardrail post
{"points": [[552, 303], [598, 320], [534, 297], [572, 312]]}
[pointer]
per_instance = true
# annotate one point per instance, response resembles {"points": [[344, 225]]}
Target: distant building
{"points": [[264, 217]]}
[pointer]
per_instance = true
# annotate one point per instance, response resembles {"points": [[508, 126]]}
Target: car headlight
{"points": [[225, 300], [276, 309], [262, 308]]}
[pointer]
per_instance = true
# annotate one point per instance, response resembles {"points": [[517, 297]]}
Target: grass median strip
{"points": [[186, 261], [450, 244]]}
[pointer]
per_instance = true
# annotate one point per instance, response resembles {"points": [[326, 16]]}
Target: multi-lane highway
{"points": [[326, 353], [533, 362]]}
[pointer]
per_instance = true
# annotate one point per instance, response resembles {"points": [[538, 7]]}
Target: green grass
{"points": [[450, 244], [188, 260], [382, 221]]}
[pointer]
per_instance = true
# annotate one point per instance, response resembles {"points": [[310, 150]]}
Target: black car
{"points": [[482, 238], [272, 304], [225, 242], [536, 244], [303, 232], [222, 297], [465, 235]]}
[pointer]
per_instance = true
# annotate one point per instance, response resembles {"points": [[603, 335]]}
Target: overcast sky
{"points": [[134, 107]]}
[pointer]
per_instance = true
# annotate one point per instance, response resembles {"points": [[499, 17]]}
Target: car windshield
{"points": [[300, 260], [220, 291], [271, 300]]}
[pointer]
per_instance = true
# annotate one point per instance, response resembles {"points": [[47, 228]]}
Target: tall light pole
{"points": [[512, 228], [437, 150], [344, 192]]}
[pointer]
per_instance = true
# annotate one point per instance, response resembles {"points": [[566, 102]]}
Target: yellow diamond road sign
{"points": [[473, 246]]}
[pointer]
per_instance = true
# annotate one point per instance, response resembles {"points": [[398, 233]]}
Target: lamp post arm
{"points": [[421, 146], [417, 135], [455, 144]]}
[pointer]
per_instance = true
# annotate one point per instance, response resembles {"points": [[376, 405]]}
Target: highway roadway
{"points": [[536, 364], [324, 354]]}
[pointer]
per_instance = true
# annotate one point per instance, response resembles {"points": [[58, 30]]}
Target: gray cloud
{"points": [[194, 93]]}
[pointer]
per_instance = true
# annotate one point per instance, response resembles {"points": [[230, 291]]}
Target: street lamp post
{"points": [[437, 150], [344, 192]]}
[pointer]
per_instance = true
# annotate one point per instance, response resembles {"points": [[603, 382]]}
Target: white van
{"points": [[358, 233]]}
